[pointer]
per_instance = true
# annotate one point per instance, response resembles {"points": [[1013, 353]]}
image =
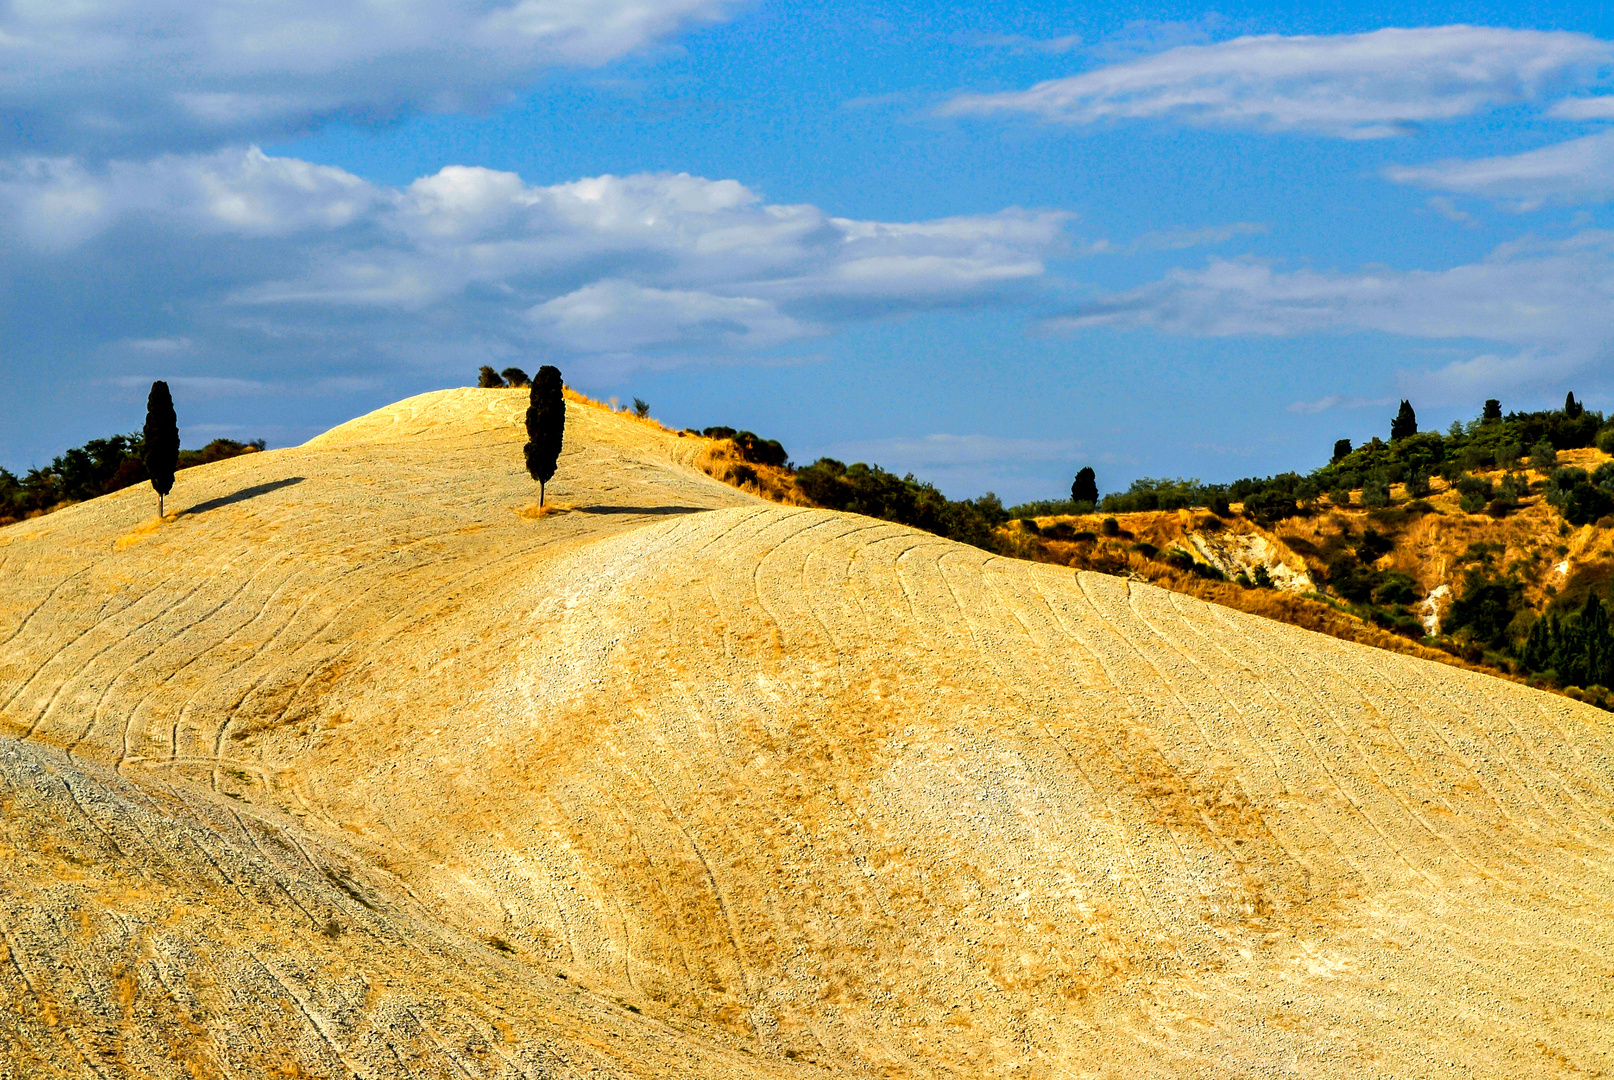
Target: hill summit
{"points": [[356, 765]]}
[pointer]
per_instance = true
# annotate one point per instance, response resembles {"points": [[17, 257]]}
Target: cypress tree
{"points": [[1342, 450], [1493, 410], [1573, 408], [162, 441], [1085, 487], [546, 423], [1405, 422]]}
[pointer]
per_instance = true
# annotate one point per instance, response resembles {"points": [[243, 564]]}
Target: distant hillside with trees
{"points": [[99, 467]]}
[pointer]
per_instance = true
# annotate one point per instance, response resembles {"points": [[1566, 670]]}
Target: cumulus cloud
{"points": [[1552, 302], [1578, 171], [641, 267], [1358, 86], [189, 73]]}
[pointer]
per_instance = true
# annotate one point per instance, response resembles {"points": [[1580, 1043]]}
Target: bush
{"points": [[1507, 456], [1605, 440], [1543, 456], [753, 448], [1418, 484], [514, 376], [488, 379], [1270, 505], [1375, 493], [1339, 495], [1110, 527], [1582, 498], [870, 490]]}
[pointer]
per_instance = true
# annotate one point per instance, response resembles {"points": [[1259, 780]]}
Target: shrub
{"points": [[1339, 495], [1485, 608], [1110, 527], [1543, 456], [1605, 440], [1418, 484], [1270, 505], [1582, 498], [514, 376], [719, 433], [1507, 456], [641, 408], [1375, 493], [1218, 505], [870, 490], [488, 379], [1395, 588], [1262, 579], [753, 448]]}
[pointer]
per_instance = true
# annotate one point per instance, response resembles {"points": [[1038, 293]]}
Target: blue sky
{"points": [[989, 245]]}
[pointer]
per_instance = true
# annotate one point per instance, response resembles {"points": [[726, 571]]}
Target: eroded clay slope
{"points": [[808, 791]]}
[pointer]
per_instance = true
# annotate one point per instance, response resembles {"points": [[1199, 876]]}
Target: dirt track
{"points": [[351, 767]]}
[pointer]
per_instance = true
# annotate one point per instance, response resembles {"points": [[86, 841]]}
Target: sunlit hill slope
{"points": [[356, 767]]}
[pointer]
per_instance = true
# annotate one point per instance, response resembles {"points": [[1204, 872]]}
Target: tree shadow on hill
{"points": [[643, 509], [240, 496]]}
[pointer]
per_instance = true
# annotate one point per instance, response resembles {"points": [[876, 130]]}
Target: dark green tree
{"points": [[1342, 450], [1405, 422], [1493, 410], [162, 441], [546, 424], [1572, 408], [1085, 487], [515, 377], [488, 379]]}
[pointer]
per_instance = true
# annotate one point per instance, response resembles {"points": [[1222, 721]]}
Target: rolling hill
{"points": [[356, 766]]}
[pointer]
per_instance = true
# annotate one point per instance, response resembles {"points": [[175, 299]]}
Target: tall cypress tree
{"points": [[546, 423], [1085, 487], [162, 441], [1573, 408], [1405, 422]]}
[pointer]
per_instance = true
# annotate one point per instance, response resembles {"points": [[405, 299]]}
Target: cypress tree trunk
{"points": [[546, 425], [162, 441]]}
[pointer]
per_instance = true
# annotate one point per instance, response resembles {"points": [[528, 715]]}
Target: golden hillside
{"points": [[352, 768]]}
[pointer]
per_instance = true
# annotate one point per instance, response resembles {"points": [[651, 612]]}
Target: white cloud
{"points": [[1551, 302], [640, 269], [172, 73], [1179, 239], [1578, 171], [1334, 401], [1585, 108], [1350, 85], [58, 203], [619, 316]]}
